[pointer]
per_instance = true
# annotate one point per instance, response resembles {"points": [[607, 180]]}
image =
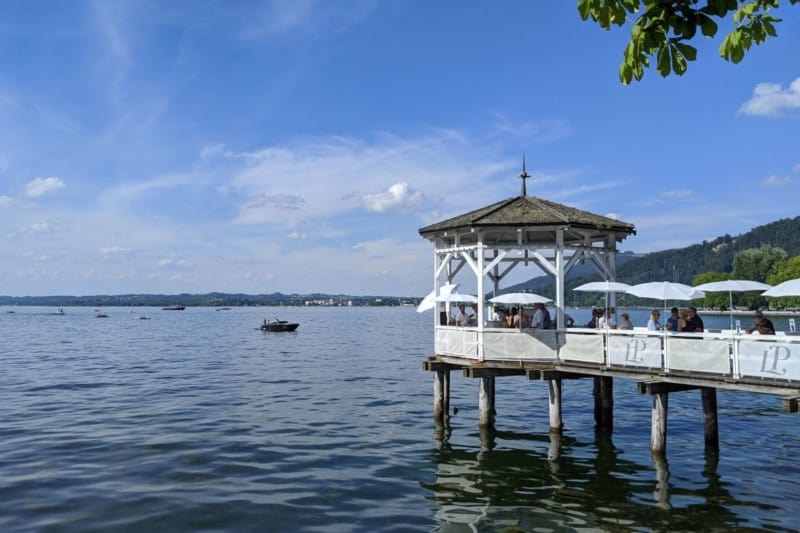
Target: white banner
{"points": [[635, 350], [456, 341], [699, 354], [770, 359], [513, 345], [584, 347]]}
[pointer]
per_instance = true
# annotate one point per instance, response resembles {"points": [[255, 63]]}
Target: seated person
{"points": [[626, 323], [462, 320], [472, 316], [694, 323], [672, 321], [593, 322], [763, 325], [653, 324]]}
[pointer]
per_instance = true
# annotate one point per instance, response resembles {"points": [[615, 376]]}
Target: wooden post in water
{"points": [[658, 429], [556, 423], [604, 402], [441, 393], [709, 396], [486, 410]]}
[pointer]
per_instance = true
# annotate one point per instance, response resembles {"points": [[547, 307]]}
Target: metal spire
{"points": [[523, 177]]}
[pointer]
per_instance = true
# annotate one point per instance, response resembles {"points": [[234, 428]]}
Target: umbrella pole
{"points": [[730, 309]]}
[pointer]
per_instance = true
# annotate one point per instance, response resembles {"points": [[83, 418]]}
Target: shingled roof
{"points": [[528, 211]]}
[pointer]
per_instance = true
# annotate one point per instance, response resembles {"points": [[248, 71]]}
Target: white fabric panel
{"points": [[516, 345], [699, 355], [635, 350], [582, 347], [770, 359], [460, 342]]}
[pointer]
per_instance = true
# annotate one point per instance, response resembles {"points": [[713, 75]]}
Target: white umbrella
{"points": [[521, 298], [603, 286], [457, 297], [665, 290], [731, 286], [429, 302], [787, 288]]}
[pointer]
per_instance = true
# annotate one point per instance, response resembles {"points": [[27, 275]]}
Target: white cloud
{"points": [[298, 236], [41, 186], [304, 18], [796, 168], [113, 251], [776, 181], [6, 201], [771, 99], [676, 193], [399, 196]]}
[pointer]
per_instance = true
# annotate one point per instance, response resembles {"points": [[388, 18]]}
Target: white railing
{"points": [[725, 354]]}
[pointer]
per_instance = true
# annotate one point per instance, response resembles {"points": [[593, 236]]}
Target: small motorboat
{"points": [[144, 317], [174, 308], [279, 325], [101, 315]]}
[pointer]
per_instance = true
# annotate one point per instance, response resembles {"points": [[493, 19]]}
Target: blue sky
{"points": [[297, 146]]}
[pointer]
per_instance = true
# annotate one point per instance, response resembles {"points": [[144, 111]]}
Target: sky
{"points": [[297, 146]]}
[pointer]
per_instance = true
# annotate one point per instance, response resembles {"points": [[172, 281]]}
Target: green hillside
{"points": [[680, 264]]}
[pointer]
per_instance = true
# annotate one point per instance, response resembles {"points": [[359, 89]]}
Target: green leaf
{"points": [[690, 52], [678, 61], [583, 9], [707, 25], [664, 63]]}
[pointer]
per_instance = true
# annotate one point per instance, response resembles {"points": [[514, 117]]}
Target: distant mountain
{"points": [[679, 264], [212, 299]]}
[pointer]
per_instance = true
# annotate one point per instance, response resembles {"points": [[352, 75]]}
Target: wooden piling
{"points": [[486, 411], [710, 424], [604, 402], [556, 423], [658, 429]]}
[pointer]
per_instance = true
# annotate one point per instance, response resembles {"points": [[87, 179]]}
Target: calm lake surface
{"points": [[195, 420]]}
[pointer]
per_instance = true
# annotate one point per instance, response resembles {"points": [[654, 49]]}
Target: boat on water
{"points": [[279, 325], [144, 317], [101, 315], [223, 308], [174, 308]]}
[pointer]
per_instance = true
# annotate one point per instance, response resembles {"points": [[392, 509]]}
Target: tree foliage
{"points": [[713, 300], [784, 271], [664, 28]]}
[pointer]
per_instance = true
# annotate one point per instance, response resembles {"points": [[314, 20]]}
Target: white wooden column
{"points": [[560, 278], [481, 294]]}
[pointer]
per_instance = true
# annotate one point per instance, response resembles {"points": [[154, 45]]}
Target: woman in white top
{"points": [[653, 324]]}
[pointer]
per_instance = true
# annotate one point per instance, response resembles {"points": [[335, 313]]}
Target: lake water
{"points": [[195, 420]]}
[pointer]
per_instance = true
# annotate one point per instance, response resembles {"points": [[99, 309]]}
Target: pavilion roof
{"points": [[528, 211]]}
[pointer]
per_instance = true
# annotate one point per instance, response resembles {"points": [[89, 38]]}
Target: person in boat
{"points": [[763, 325], [266, 324]]}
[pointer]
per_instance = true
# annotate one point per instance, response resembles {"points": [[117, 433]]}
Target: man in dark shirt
{"points": [[694, 324], [763, 325]]}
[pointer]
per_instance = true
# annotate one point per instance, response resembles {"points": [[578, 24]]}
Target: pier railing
{"points": [[715, 353]]}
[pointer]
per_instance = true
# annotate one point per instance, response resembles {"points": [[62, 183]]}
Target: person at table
{"points": [[654, 324], [472, 316], [763, 325], [625, 323], [694, 323], [462, 319], [672, 321], [593, 321], [607, 319], [541, 317]]}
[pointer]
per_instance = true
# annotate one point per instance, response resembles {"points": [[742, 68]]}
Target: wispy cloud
{"points": [[676, 193], [304, 18], [6, 201], [776, 181], [42, 186], [772, 99]]}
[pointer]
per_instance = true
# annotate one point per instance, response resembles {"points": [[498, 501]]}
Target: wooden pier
{"points": [[480, 248]]}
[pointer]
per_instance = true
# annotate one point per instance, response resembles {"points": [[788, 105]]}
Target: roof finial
{"points": [[523, 177]]}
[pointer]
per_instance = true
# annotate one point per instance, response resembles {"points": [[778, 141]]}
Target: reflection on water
{"points": [[571, 485]]}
